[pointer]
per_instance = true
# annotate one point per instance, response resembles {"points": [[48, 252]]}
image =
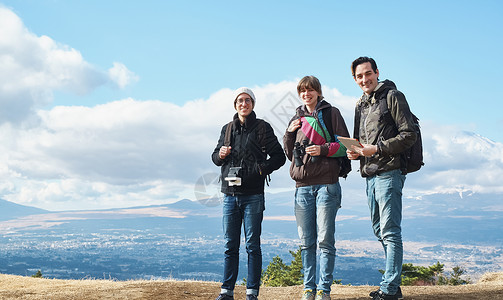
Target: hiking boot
{"points": [[398, 294], [224, 297], [322, 295], [251, 297], [308, 295], [380, 295]]}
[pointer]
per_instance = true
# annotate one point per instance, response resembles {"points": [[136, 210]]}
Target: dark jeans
{"points": [[247, 210]]}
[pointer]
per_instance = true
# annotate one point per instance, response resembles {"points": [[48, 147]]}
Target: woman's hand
{"points": [[314, 150], [294, 125], [352, 155]]}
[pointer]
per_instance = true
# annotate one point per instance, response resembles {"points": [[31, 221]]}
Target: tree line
{"points": [[278, 273]]}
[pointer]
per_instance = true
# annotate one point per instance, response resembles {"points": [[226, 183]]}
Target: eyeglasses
{"points": [[247, 100]]}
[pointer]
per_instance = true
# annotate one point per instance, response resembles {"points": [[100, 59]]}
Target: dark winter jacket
{"points": [[325, 168], [246, 152], [391, 137]]}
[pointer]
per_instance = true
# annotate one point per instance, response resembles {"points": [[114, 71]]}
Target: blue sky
{"points": [[92, 89], [438, 52]]}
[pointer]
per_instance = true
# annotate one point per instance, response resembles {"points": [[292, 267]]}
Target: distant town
{"points": [[169, 248]]}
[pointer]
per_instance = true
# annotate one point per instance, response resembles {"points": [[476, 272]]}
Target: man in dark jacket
{"points": [[311, 144], [382, 163], [247, 156]]}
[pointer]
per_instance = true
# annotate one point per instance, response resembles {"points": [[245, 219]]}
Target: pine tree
{"points": [[432, 275], [456, 274], [37, 275], [280, 274]]}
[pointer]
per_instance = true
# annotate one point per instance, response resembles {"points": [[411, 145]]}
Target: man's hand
{"points": [[224, 152], [367, 150]]}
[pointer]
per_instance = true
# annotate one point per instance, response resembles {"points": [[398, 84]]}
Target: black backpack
{"points": [[413, 156]]}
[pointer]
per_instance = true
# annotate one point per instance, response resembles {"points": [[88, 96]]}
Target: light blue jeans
{"points": [[246, 210], [316, 207], [384, 194]]}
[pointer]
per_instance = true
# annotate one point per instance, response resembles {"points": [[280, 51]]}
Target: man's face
{"points": [[366, 78], [309, 96], [244, 105]]}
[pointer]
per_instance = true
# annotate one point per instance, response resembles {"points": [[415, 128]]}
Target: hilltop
{"points": [[490, 286], [10, 210]]}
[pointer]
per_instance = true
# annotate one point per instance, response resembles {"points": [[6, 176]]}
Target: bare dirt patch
{"points": [[490, 286]]}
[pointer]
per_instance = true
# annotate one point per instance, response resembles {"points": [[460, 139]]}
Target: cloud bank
{"points": [[131, 152], [33, 67]]}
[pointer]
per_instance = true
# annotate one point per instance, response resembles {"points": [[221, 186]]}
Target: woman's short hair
{"points": [[309, 82]]}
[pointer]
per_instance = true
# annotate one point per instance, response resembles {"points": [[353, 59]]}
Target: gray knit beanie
{"points": [[244, 90]]}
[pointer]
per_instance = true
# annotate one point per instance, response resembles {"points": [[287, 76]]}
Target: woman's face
{"points": [[309, 96]]}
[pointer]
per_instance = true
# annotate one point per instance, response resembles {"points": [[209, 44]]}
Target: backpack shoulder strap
{"points": [[384, 106], [356, 126], [261, 134], [386, 110], [261, 139], [344, 162], [326, 124], [228, 132]]}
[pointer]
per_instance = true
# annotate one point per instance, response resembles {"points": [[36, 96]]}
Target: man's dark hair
{"points": [[361, 60]]}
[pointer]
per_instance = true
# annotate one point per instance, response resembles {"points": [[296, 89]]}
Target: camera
{"points": [[233, 176], [299, 151]]}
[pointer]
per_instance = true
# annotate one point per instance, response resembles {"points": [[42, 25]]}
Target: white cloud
{"points": [[120, 74], [131, 152], [151, 151], [458, 161], [33, 67]]}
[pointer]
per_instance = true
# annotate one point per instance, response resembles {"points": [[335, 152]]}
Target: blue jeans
{"points": [[316, 207], [384, 194], [247, 210]]}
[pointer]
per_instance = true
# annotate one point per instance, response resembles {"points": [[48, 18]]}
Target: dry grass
{"points": [[490, 286]]}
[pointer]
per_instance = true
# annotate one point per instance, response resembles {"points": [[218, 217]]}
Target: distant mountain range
{"points": [[439, 217], [10, 210]]}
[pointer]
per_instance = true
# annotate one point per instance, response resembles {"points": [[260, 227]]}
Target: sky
{"points": [[120, 103]]}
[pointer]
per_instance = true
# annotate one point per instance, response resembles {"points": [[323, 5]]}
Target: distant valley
{"points": [[183, 240]]}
